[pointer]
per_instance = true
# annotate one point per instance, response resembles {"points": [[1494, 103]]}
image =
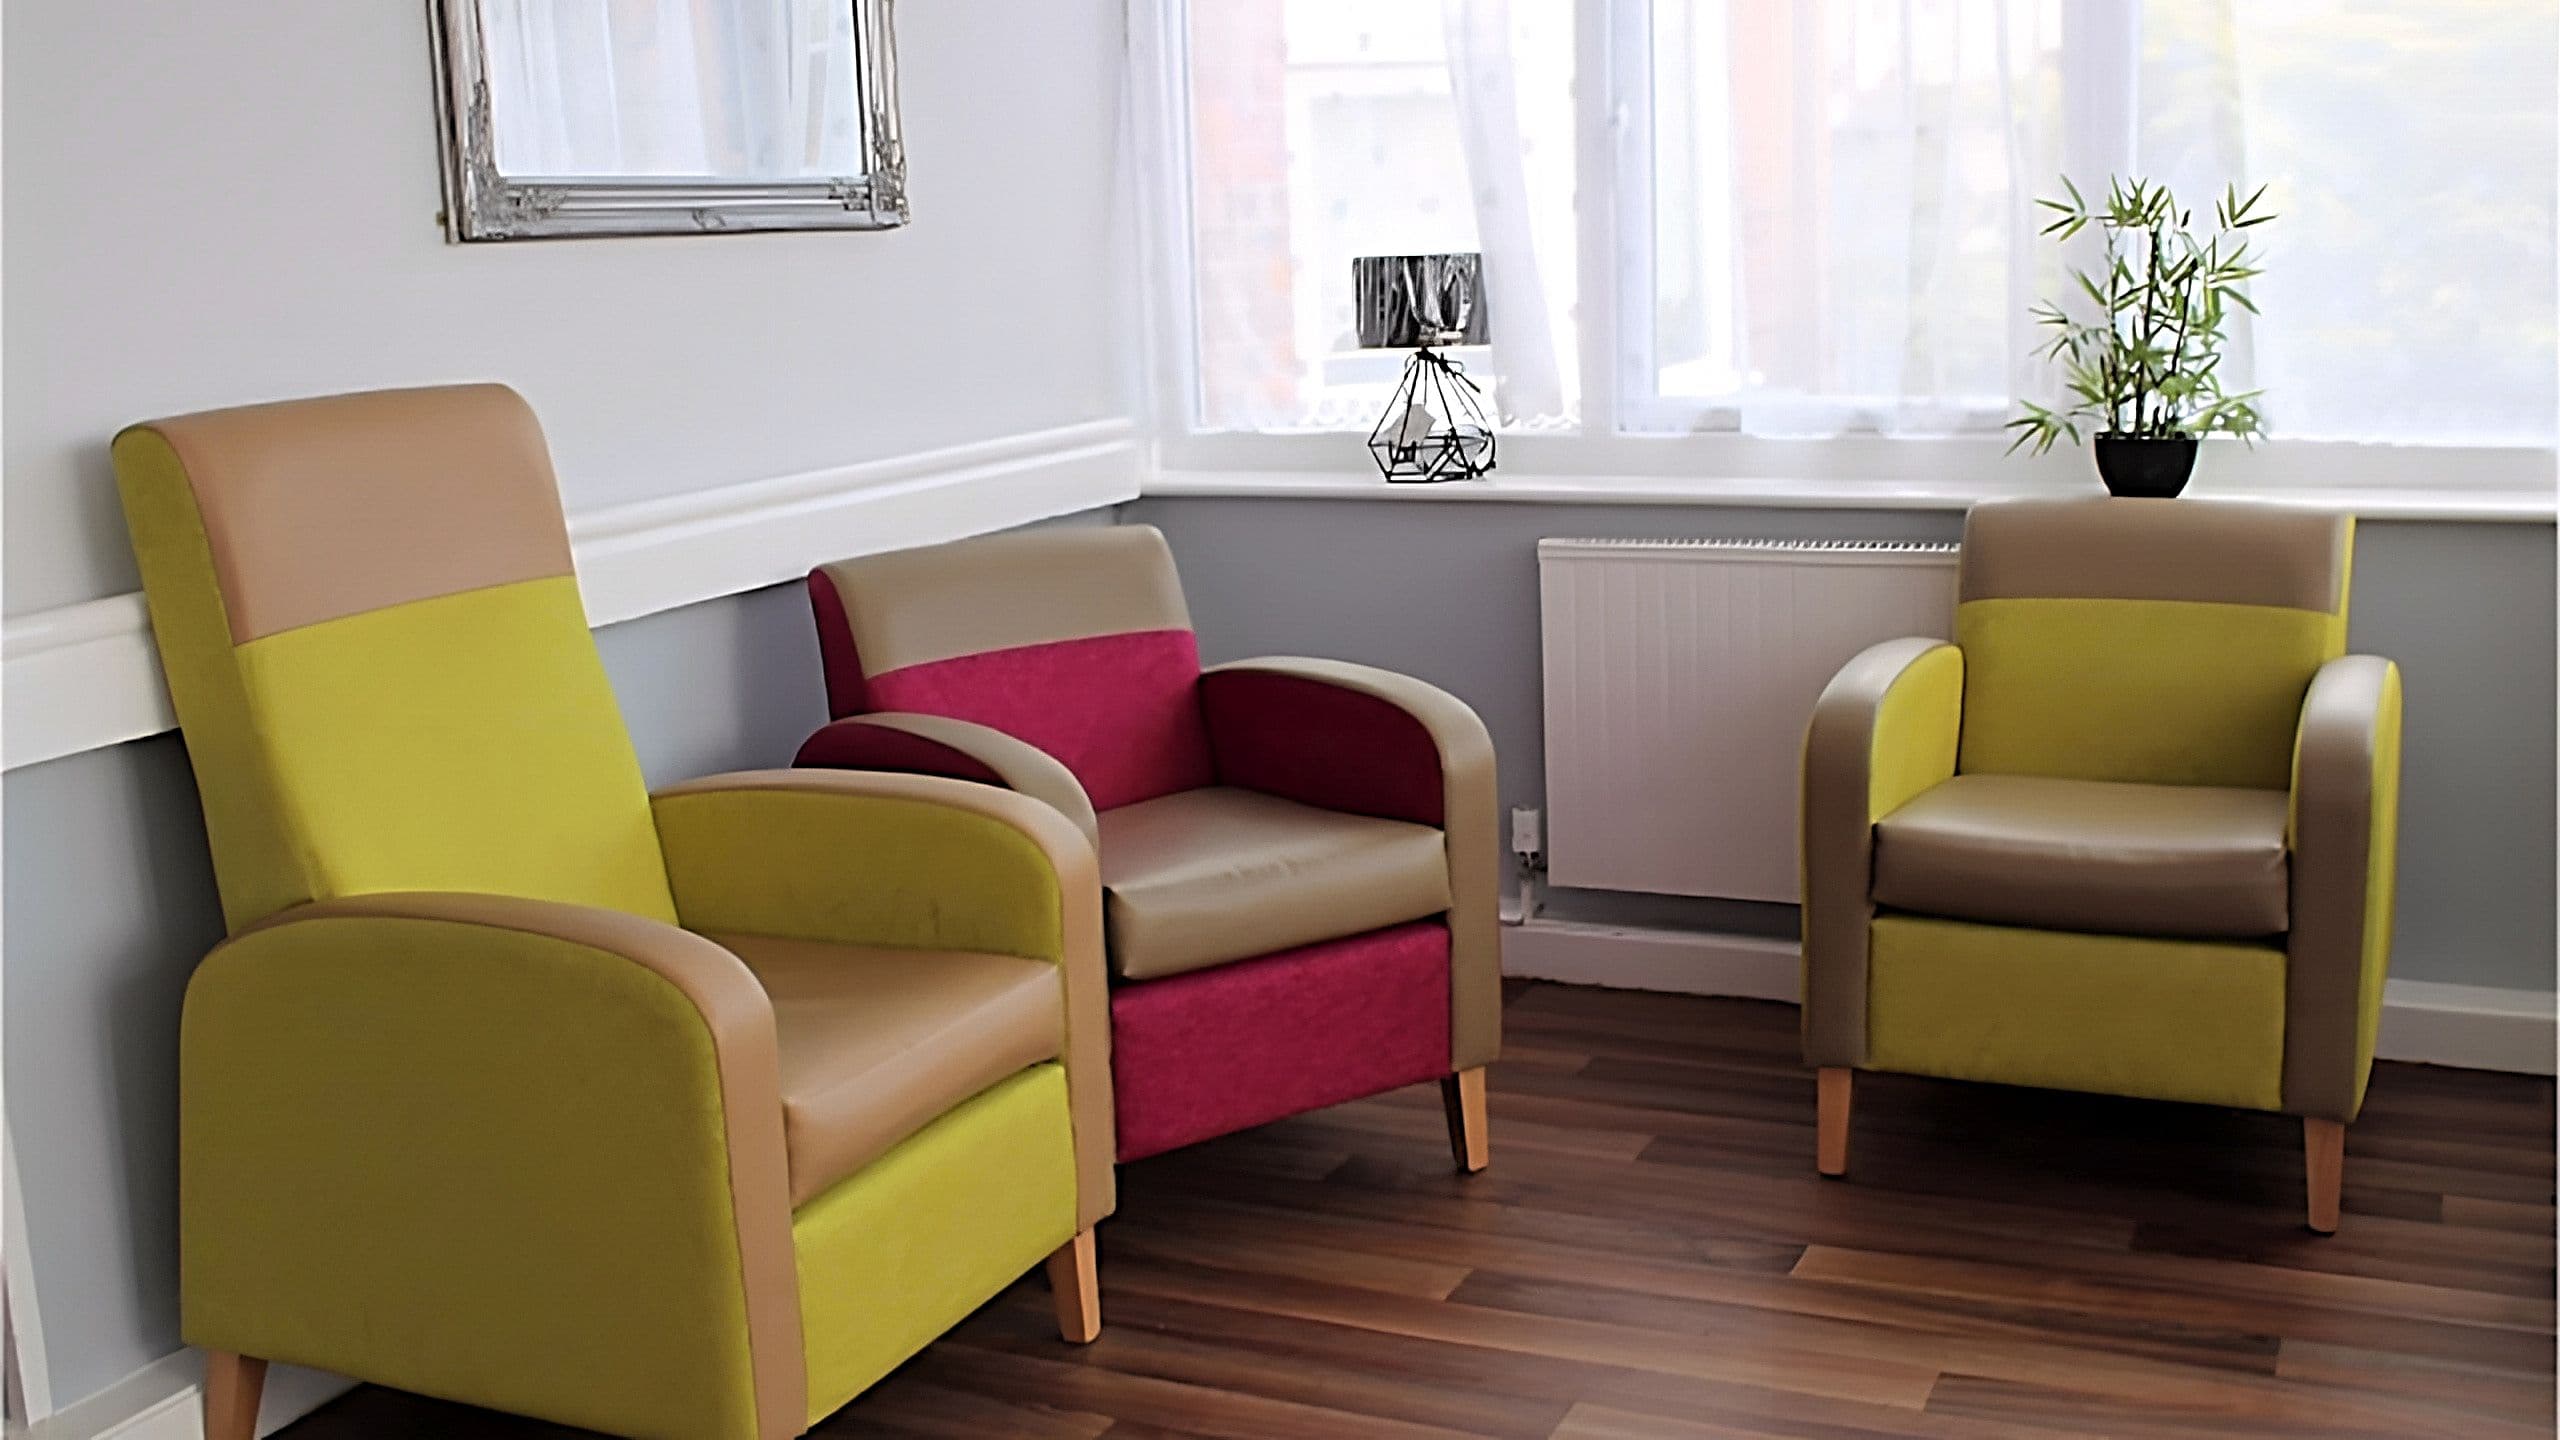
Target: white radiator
{"points": [[1679, 675]]}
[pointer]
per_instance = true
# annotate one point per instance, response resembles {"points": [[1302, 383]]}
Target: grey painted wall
{"points": [[1449, 592], [109, 894], [110, 902]]}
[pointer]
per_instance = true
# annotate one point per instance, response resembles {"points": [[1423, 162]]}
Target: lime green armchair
{"points": [[684, 1115], [2132, 833]]}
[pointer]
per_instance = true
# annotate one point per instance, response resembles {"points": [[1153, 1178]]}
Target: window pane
{"points": [[1323, 130], [1830, 225], [2408, 148], [1841, 239], [1837, 234]]}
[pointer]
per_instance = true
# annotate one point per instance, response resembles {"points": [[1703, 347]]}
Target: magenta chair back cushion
{"points": [[1074, 640]]}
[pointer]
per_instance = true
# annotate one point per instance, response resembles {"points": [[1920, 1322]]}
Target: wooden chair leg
{"points": [[1831, 1127], [1077, 1289], [2324, 1165], [1462, 1095], [232, 1384]]}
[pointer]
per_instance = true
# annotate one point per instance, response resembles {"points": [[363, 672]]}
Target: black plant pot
{"points": [[2141, 466]]}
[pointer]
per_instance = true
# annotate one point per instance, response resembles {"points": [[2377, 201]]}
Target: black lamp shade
{"points": [[1407, 301]]}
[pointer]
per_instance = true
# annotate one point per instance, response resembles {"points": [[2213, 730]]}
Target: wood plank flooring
{"points": [[1652, 1257]]}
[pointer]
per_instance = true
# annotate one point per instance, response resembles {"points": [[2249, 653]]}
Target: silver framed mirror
{"points": [[666, 117]]}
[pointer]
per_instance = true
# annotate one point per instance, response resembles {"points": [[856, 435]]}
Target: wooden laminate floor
{"points": [[1651, 1257]]}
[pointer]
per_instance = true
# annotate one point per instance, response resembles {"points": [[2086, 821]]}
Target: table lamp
{"points": [[1435, 426]]}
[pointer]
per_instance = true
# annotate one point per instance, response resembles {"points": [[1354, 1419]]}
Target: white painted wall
{"points": [[217, 203]]}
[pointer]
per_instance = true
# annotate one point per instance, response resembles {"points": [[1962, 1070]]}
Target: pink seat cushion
{"points": [[1219, 1050], [1121, 711]]}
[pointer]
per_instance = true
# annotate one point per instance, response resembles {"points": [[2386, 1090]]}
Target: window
{"points": [[1324, 130], [1816, 218]]}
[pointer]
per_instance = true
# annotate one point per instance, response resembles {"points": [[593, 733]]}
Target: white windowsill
{"points": [[1866, 472], [1787, 493]]}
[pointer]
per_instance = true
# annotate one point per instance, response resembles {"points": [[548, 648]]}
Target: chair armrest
{"points": [[425, 1131], [2343, 832], [961, 749], [1372, 742], [917, 862], [1883, 731]]}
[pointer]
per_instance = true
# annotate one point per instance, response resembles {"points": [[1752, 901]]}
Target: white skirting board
{"points": [[2472, 1026], [165, 1401], [83, 676]]}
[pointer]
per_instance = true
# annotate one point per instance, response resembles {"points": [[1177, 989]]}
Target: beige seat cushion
{"points": [[877, 1044], [2091, 855], [1202, 877]]}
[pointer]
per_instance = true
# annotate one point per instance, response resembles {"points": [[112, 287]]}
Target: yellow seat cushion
{"points": [[876, 1044], [2198, 1020], [2096, 855], [1202, 877]]}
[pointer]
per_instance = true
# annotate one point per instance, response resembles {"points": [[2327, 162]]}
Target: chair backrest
{"points": [[1075, 640], [372, 633], [2163, 641]]}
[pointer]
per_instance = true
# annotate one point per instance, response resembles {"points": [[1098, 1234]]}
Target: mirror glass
{"points": [[638, 116]]}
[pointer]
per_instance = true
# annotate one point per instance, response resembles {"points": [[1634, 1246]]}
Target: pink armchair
{"points": [[1299, 857]]}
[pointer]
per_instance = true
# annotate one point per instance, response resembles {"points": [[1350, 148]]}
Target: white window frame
{"points": [[1660, 447]]}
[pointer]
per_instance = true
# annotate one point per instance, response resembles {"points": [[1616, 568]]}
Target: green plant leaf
{"points": [[2148, 364]]}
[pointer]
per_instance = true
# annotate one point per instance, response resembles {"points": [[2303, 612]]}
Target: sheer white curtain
{"points": [[2409, 150], [1495, 126], [1831, 203], [1324, 130], [1843, 233], [1820, 213], [733, 88], [1857, 176]]}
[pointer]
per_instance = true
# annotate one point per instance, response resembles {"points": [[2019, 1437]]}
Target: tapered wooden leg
{"points": [[1831, 1127], [1462, 1095], [232, 1384], [2324, 1166], [1077, 1289]]}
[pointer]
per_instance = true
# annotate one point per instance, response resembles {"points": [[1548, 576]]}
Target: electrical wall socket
{"points": [[1528, 832]]}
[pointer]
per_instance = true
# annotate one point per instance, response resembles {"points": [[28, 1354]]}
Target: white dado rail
{"points": [[84, 676]]}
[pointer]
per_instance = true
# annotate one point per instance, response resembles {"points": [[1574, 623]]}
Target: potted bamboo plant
{"points": [[2141, 360]]}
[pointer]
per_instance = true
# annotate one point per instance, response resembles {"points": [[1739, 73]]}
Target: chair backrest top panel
{"points": [[2153, 641], [2104, 548], [1075, 640], [370, 623], [1005, 592], [319, 509]]}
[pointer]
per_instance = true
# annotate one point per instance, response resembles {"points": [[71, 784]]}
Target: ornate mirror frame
{"points": [[480, 203]]}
